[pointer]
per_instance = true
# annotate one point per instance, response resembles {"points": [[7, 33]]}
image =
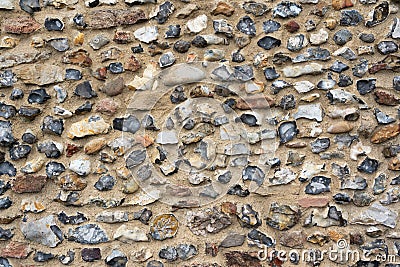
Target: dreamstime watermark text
{"points": [[340, 253]]}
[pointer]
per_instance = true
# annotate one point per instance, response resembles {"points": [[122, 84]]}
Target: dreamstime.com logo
{"points": [[340, 253]]}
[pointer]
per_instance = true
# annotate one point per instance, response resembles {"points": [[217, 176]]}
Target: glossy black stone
{"points": [[368, 165], [53, 24], [84, 108], [38, 96], [85, 90], [268, 42]]}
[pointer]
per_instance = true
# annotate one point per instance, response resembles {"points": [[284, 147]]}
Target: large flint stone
{"points": [[181, 74], [43, 231], [88, 234], [377, 214]]}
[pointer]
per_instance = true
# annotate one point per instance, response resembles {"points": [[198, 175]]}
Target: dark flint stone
{"points": [[73, 74], [84, 108], [270, 73], [383, 118], [225, 177], [88, 234], [287, 131], [178, 95], [7, 111], [286, 9], [16, 94], [116, 67], [79, 20], [168, 253], [318, 185], [342, 198], [254, 174], [67, 259], [42, 256], [360, 69], [135, 158], [5, 203], [248, 119], [243, 73], [105, 183], [339, 67], [344, 80], [396, 83], [366, 86], [4, 187], [199, 42], [186, 251], [173, 31], [237, 57], [367, 37], [368, 165], [38, 96], [342, 36], [298, 45], [116, 259], [387, 47], [395, 181], [91, 254], [54, 169], [271, 26], [7, 168], [30, 6], [49, 149], [18, 151], [350, 18], [281, 58], [29, 112], [6, 136], [5, 234], [278, 85], [143, 215], [391, 151], [53, 24], [128, 124], [320, 145], [288, 102], [52, 126], [85, 90], [247, 26], [268, 42], [228, 105], [165, 10], [181, 46], [336, 215], [137, 49], [312, 53], [238, 190], [260, 239], [76, 219]]}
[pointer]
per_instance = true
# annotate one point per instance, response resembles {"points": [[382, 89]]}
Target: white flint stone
{"points": [[303, 86], [296, 71], [319, 38], [167, 137], [146, 34], [311, 112], [80, 166], [126, 235], [197, 24]]}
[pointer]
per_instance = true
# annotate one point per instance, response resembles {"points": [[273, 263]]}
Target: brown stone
{"points": [[132, 64], [292, 26], [29, 183], [386, 98], [255, 101], [340, 4], [94, 145], [296, 144], [15, 249], [224, 9], [123, 37], [114, 87], [294, 239], [356, 238], [72, 149], [394, 164], [335, 236], [229, 208], [211, 249], [103, 19], [340, 127], [385, 133], [313, 202], [100, 73], [71, 182], [145, 140], [240, 259], [78, 57], [19, 25], [107, 106]]}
